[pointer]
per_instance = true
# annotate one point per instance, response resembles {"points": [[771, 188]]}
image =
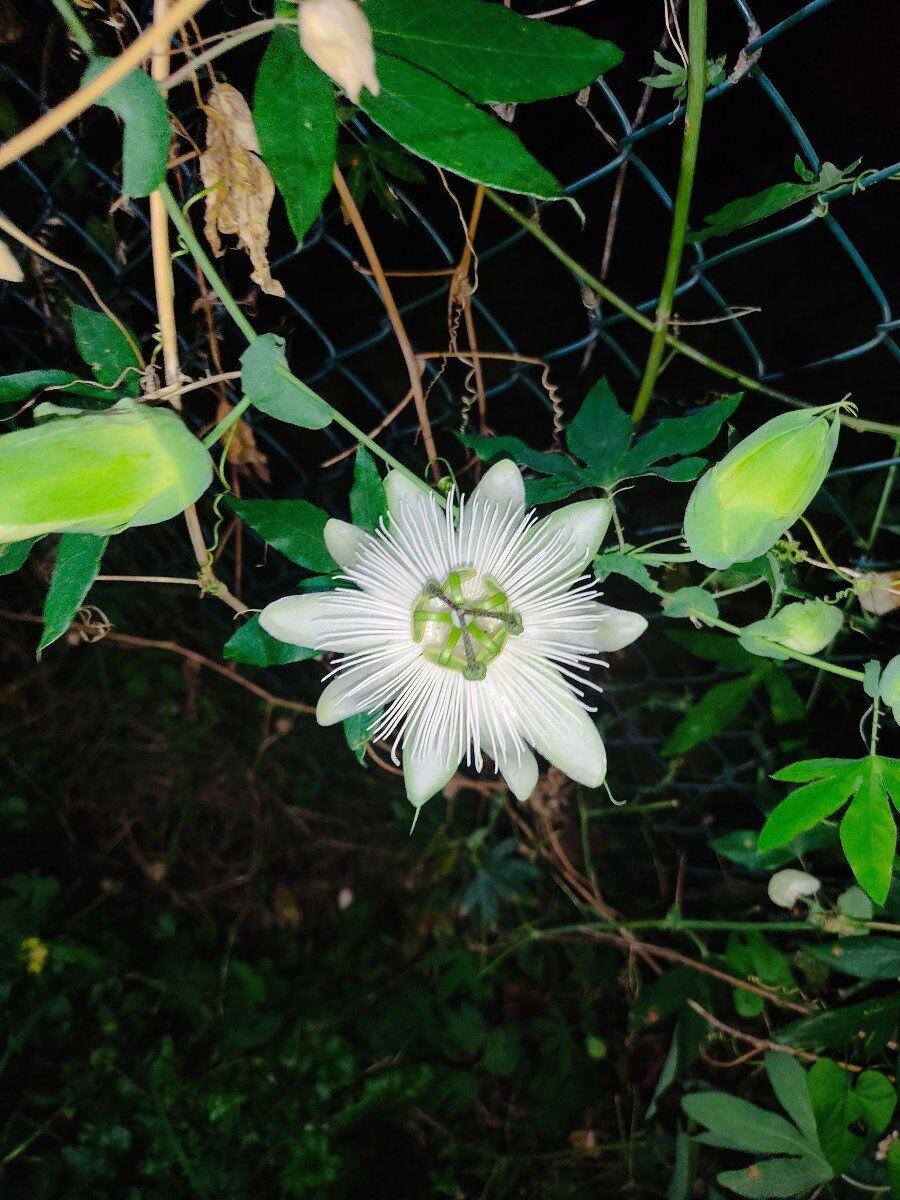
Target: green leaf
{"points": [[680, 435], [139, 104], [442, 126], [690, 602], [865, 1102], [16, 388], [714, 648], [785, 701], [740, 846], [490, 448], [296, 123], [771, 200], [77, 563], [813, 768], [614, 562], [788, 1080], [107, 350], [14, 554], [368, 501], [666, 995], [869, 833], [735, 1124], [356, 733], [684, 471], [487, 51], [600, 434], [717, 708], [270, 386], [552, 488], [861, 957], [777, 1177], [806, 807], [252, 645], [502, 1052], [870, 1023], [293, 527]]}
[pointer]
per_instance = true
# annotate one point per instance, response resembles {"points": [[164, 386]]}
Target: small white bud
{"points": [[786, 887], [338, 38]]}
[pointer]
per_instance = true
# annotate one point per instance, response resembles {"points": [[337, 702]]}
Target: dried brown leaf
{"points": [[241, 189]]}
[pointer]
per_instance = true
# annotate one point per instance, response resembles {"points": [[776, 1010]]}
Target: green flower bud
{"points": [[741, 507], [99, 473], [807, 627], [889, 687]]}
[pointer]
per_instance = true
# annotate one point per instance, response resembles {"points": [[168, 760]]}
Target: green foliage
{"points": [[293, 527], [140, 105], [735, 1124], [868, 830], [771, 200], [368, 501], [77, 564], [674, 75], [487, 51], [601, 434], [851, 1110], [108, 349], [863, 958], [293, 95], [14, 554], [442, 126], [270, 386], [251, 644]]}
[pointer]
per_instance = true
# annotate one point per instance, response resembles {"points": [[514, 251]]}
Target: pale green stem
{"points": [[696, 80], [75, 26], [883, 501]]}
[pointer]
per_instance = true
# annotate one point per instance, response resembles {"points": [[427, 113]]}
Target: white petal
{"points": [[344, 541], [520, 772], [401, 491], [336, 703], [298, 620], [618, 628], [501, 485], [586, 522], [569, 739], [424, 776]]}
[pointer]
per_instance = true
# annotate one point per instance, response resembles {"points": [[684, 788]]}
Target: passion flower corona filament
{"points": [[467, 631]]}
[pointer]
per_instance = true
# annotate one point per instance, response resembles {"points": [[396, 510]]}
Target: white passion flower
{"points": [[468, 631], [338, 38], [786, 887]]}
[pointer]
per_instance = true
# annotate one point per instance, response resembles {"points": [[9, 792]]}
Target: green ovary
{"points": [[464, 622]]}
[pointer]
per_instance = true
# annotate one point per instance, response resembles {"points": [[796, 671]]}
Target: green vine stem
{"points": [[696, 83], [633, 314]]}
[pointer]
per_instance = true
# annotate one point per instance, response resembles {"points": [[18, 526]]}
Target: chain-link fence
{"points": [[342, 343]]}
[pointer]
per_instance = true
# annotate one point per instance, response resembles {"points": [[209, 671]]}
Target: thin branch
{"points": [[409, 356]]}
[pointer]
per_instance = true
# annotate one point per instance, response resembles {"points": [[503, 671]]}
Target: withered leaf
{"points": [[241, 190]]}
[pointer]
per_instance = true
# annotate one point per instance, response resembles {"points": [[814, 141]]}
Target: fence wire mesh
{"points": [[342, 343]]}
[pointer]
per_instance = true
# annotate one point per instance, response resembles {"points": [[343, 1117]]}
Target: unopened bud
{"points": [[806, 627], [889, 687], [338, 38], [99, 473], [741, 507]]}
